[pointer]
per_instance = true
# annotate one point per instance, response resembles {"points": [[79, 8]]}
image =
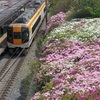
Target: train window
{"points": [[9, 34], [45, 9], [21, 20], [37, 2], [1, 30], [17, 35], [25, 35], [36, 23]]}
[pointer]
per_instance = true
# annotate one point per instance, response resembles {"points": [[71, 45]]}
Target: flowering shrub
{"points": [[82, 30], [55, 21], [71, 66]]}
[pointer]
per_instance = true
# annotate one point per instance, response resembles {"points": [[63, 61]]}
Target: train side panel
{"points": [[36, 23]]}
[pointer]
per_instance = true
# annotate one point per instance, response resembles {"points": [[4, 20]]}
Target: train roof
{"points": [[29, 12], [24, 18]]}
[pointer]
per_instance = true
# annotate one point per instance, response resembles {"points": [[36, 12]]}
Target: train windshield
{"points": [[9, 34], [17, 35], [25, 35]]}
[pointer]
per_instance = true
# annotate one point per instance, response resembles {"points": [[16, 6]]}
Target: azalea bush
{"points": [[76, 29], [55, 21], [74, 68], [70, 66]]}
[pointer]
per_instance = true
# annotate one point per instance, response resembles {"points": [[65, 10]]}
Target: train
{"points": [[22, 31]]}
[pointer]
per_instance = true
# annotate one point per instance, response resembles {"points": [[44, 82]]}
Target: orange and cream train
{"points": [[21, 32]]}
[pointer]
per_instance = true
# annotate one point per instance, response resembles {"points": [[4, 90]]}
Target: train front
{"points": [[17, 36]]}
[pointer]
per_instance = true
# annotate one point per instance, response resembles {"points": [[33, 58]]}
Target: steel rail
{"points": [[10, 81], [18, 6], [3, 72]]}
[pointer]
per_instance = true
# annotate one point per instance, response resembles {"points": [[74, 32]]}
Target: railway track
{"points": [[9, 71], [8, 74]]}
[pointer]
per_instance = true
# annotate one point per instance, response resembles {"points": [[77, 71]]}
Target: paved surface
{"points": [[4, 4], [10, 7]]}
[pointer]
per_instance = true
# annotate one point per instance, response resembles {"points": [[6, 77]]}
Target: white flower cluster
{"points": [[83, 30]]}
